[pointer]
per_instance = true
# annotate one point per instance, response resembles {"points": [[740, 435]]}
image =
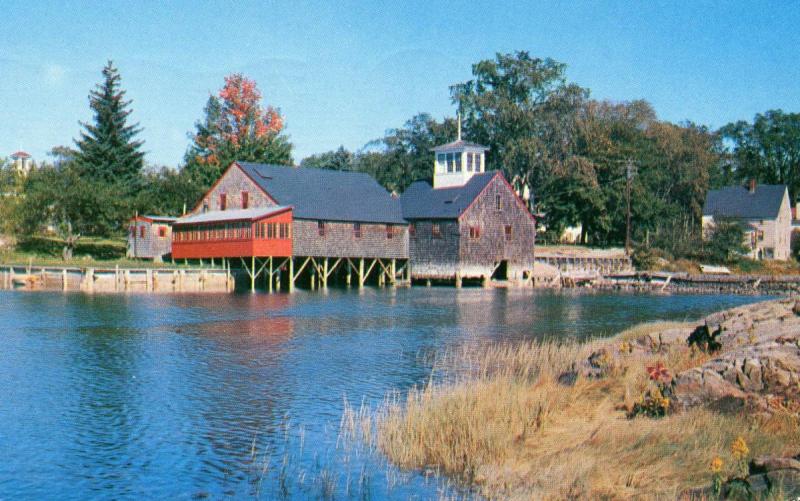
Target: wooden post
{"points": [[313, 280], [252, 273], [148, 278], [90, 279], [174, 280], [127, 279], [181, 277], [458, 280], [393, 268], [360, 273], [64, 278], [291, 274], [270, 277], [212, 262], [116, 278], [325, 273]]}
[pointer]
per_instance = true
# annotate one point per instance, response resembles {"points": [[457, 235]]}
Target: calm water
{"points": [[192, 397]]}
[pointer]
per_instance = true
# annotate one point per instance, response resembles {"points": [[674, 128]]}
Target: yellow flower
{"points": [[716, 464], [739, 448]]}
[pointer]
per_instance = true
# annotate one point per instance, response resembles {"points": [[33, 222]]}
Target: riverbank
{"points": [[639, 415]]}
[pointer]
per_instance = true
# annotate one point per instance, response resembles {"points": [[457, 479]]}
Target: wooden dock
{"points": [[158, 280]]}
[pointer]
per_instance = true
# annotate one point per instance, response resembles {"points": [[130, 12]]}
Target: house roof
{"points": [[738, 202], [421, 201], [327, 195], [231, 215], [161, 219], [458, 145]]}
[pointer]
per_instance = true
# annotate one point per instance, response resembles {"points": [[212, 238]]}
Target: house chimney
{"points": [[752, 185]]}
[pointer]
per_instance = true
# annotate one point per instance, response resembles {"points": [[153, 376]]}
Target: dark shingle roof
{"points": [[737, 201], [326, 194], [457, 145], [421, 201]]}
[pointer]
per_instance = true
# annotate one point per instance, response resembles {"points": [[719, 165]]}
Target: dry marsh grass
{"points": [[505, 425]]}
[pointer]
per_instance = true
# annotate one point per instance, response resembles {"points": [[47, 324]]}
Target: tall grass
{"points": [[501, 421]]}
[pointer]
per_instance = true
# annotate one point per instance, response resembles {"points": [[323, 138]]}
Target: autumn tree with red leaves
{"points": [[236, 126]]}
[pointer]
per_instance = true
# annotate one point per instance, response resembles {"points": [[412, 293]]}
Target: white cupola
{"points": [[455, 163]]}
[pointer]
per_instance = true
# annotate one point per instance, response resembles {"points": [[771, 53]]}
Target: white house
{"points": [[764, 210]]}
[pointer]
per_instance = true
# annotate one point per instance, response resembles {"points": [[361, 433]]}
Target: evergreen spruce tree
{"points": [[107, 150]]}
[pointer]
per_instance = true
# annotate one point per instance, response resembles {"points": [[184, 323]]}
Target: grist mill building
{"points": [[470, 224]]}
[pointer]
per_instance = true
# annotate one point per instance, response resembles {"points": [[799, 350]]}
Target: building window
{"points": [[760, 236], [436, 231], [451, 162], [223, 201], [245, 200], [469, 162], [458, 162], [441, 162], [162, 232], [412, 230], [357, 230], [474, 232], [509, 232], [205, 205], [389, 231], [498, 202], [478, 158], [321, 228], [142, 229], [285, 231]]}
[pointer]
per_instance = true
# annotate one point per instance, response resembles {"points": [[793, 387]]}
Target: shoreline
{"points": [[544, 420]]}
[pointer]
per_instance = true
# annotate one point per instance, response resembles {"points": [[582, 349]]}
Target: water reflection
{"points": [[236, 395]]}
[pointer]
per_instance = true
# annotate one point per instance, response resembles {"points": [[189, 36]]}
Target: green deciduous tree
{"points": [[768, 149], [725, 241]]}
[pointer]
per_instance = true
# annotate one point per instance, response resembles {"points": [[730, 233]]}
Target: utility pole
{"points": [[629, 170]]}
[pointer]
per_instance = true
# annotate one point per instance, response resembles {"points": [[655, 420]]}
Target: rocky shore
{"points": [[708, 409], [753, 367]]}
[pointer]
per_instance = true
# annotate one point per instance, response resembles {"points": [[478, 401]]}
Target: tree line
{"points": [[566, 154]]}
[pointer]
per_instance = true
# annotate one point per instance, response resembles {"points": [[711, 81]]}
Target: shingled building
{"points": [[470, 224], [338, 222], [764, 211]]}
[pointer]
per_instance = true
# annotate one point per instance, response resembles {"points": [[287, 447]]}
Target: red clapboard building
{"points": [[236, 233]]}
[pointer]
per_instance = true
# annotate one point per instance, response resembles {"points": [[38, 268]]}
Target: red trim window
{"points": [[436, 230], [162, 232], [142, 229], [412, 230], [223, 201], [389, 231], [321, 228], [357, 230], [245, 200], [509, 232], [474, 232]]}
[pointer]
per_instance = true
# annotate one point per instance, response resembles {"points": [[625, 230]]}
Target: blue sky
{"points": [[344, 72]]}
